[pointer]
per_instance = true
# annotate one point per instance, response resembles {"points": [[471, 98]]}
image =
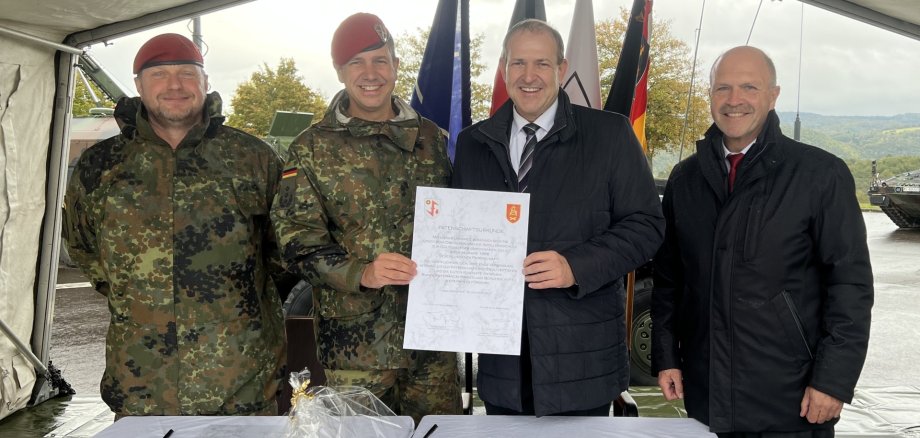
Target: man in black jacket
{"points": [[763, 287], [595, 216]]}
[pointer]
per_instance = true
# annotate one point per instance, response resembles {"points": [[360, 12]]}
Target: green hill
{"points": [[894, 141], [867, 137]]}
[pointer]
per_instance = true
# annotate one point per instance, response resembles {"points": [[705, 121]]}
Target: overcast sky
{"points": [[848, 67]]}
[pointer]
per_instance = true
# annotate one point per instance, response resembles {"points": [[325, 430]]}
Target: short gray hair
{"points": [[536, 26]]}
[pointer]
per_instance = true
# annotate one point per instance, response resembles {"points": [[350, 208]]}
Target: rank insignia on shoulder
{"points": [[289, 173]]}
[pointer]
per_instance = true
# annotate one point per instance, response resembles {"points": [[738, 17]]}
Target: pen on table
{"points": [[430, 431], [168, 433]]}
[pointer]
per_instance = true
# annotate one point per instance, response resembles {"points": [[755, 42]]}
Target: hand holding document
{"points": [[470, 247]]}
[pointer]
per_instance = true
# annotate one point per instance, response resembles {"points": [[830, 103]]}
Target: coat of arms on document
{"points": [[513, 212]]}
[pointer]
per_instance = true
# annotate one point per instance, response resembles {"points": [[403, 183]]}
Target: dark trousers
{"points": [[821, 433]]}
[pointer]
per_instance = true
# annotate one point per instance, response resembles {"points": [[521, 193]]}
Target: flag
{"points": [[523, 9], [629, 92], [582, 82], [640, 99], [442, 91]]}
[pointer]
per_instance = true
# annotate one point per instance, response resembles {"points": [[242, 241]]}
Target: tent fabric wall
{"points": [[26, 96]]}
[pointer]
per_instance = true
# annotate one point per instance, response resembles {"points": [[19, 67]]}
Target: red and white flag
{"points": [[523, 9]]}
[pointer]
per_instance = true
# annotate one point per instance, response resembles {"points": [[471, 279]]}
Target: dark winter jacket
{"points": [[593, 201], [765, 290]]}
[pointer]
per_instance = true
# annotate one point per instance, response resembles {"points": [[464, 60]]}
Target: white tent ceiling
{"points": [[899, 16], [94, 20], [64, 17]]}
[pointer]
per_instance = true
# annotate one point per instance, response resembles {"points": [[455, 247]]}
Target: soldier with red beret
{"points": [[169, 220], [344, 219]]}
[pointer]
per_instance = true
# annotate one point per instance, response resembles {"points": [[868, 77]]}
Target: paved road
{"points": [[81, 316], [893, 346], [78, 333]]}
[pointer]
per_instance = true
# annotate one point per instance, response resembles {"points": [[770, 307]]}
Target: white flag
{"points": [[582, 81]]}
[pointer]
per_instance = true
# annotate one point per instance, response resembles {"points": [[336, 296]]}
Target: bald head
{"points": [[749, 53]]}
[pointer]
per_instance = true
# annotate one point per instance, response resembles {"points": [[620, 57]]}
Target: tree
{"points": [[410, 48], [668, 84], [267, 91], [83, 100]]}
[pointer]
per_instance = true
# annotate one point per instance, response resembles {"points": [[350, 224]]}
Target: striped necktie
{"points": [[527, 156]]}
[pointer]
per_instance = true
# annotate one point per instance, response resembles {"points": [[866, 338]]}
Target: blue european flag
{"points": [[442, 92]]}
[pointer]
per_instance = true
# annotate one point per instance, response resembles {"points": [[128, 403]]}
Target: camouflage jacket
{"points": [[348, 195], [180, 243]]}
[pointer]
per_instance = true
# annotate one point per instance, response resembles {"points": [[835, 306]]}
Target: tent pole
{"points": [[44, 42]]}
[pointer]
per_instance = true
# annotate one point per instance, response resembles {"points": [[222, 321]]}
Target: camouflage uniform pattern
{"points": [[348, 195], [180, 244]]}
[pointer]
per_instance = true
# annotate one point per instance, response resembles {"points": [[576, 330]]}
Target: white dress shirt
{"points": [[519, 138], [726, 152]]}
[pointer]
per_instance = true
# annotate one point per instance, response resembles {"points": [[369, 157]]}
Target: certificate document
{"points": [[468, 295]]}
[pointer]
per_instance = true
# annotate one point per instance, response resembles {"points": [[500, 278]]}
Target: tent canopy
{"points": [[898, 16]]}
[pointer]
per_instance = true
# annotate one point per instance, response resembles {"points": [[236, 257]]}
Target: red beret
{"points": [[167, 49], [358, 33]]}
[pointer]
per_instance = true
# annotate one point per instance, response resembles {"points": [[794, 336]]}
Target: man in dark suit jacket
{"points": [[595, 216], [763, 287]]}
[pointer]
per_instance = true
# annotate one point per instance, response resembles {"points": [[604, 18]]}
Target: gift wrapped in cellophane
{"points": [[343, 411]]}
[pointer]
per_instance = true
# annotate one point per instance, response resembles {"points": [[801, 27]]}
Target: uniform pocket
{"points": [[338, 304], [249, 197], [431, 174]]}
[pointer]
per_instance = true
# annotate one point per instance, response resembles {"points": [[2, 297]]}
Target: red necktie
{"points": [[733, 160]]}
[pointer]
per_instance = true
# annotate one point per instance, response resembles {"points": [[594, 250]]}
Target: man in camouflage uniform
{"points": [[169, 220], [344, 219]]}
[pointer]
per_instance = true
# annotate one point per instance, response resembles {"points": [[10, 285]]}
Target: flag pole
{"points": [[629, 96], [683, 130]]}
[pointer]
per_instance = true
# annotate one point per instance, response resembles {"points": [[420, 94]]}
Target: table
{"points": [[553, 427], [235, 427]]}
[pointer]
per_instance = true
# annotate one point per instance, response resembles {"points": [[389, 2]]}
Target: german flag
{"points": [[640, 98], [629, 92], [288, 173]]}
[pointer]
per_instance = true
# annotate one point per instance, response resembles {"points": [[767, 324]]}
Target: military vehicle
{"points": [[898, 197], [285, 127]]}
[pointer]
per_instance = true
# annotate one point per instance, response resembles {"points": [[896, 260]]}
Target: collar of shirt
{"points": [[519, 137], [726, 152]]}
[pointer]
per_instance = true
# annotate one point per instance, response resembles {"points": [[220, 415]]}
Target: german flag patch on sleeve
{"points": [[288, 173]]}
